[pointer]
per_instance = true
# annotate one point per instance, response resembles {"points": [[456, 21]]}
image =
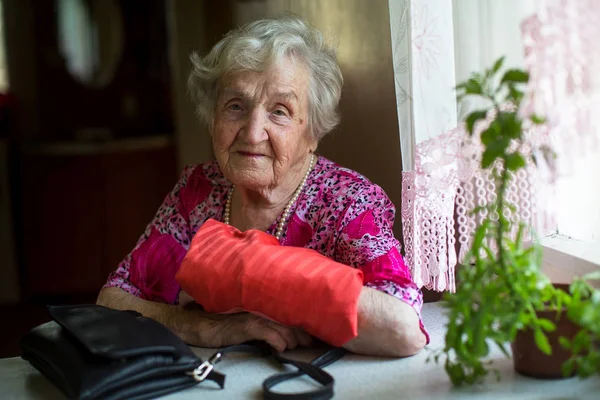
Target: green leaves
{"points": [[456, 372], [536, 119], [514, 161], [490, 134], [592, 276], [515, 76], [515, 95], [589, 365], [500, 287], [541, 340], [580, 343], [519, 239], [473, 118], [494, 150], [502, 348], [480, 234], [510, 80], [497, 137], [471, 86], [547, 325], [568, 367], [488, 158], [498, 65], [564, 342], [510, 125], [583, 309]]}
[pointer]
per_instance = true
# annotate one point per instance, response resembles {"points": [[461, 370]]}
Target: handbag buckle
{"points": [[206, 367]]}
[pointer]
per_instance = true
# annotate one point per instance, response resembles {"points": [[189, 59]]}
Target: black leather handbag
{"points": [[93, 352]]}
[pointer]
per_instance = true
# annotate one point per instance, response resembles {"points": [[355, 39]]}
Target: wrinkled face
{"points": [[260, 130]]}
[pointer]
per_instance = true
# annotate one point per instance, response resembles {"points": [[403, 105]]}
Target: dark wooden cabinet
{"points": [[82, 213], [139, 182]]}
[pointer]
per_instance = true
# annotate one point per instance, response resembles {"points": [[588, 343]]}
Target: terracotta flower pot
{"points": [[530, 361]]}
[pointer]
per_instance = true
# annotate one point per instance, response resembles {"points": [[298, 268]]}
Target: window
{"points": [[484, 31]]}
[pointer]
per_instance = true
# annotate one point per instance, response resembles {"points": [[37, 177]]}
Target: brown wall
{"points": [[188, 23], [9, 288], [20, 45]]}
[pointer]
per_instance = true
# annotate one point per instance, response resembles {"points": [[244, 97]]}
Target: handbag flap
{"points": [[116, 334]]}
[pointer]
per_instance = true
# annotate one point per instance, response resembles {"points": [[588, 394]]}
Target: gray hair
{"points": [[261, 43]]}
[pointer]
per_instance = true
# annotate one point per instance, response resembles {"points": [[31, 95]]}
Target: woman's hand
{"points": [[228, 329]]}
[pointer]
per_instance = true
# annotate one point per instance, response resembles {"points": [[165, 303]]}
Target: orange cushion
{"points": [[226, 270]]}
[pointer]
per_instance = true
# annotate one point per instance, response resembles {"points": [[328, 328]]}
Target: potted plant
{"points": [[501, 290], [583, 308]]}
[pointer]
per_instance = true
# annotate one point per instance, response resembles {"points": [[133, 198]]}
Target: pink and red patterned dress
{"points": [[340, 214]]}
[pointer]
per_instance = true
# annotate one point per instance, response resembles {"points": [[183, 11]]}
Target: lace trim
{"points": [[437, 199], [428, 198]]}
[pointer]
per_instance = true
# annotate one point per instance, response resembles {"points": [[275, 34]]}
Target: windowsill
{"points": [[566, 258]]}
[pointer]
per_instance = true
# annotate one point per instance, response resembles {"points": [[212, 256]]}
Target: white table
{"points": [[356, 377]]}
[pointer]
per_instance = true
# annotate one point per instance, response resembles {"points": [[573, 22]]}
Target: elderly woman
{"points": [[269, 92]]}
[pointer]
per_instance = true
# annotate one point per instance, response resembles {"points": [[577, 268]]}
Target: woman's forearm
{"points": [[199, 328], [386, 326]]}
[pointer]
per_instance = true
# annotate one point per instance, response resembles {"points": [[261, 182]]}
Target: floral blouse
{"points": [[340, 214]]}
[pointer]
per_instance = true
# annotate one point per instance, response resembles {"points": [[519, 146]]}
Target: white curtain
{"points": [[423, 55], [485, 30]]}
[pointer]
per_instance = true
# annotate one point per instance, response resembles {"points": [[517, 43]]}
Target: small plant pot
{"points": [[530, 361]]}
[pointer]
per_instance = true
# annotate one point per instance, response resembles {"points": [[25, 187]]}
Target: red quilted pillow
{"points": [[226, 270]]}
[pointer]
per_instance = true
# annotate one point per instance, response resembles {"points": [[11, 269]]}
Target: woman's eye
{"points": [[280, 113], [235, 107]]}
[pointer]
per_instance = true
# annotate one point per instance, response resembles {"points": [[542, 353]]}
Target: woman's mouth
{"points": [[250, 154]]}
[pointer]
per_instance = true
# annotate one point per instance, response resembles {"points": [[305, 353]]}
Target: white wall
{"points": [[578, 192]]}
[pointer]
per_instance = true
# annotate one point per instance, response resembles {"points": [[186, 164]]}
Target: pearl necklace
{"points": [[286, 210]]}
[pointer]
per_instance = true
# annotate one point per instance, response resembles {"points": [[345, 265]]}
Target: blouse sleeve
{"points": [[149, 270], [366, 241]]}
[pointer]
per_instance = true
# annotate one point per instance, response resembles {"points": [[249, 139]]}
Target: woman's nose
{"points": [[254, 130]]}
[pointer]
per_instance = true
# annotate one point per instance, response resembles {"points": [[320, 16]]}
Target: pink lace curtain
{"points": [[445, 182]]}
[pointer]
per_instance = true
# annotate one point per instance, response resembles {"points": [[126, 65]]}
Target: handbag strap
{"points": [[206, 370], [313, 370]]}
